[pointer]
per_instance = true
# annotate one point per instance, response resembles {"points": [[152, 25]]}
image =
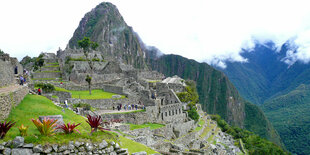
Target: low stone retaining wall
{"points": [[11, 99], [18, 147], [104, 104], [46, 75], [134, 118], [105, 87]]}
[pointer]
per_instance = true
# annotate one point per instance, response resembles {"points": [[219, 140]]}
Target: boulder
{"points": [[38, 149], [18, 142], [140, 153]]}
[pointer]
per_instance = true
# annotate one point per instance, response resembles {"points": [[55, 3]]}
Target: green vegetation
{"points": [[38, 62], [191, 97], [134, 146], [151, 125], [54, 96], [34, 106], [47, 72], [75, 59], [253, 143], [88, 80], [201, 123], [51, 66], [82, 105], [46, 79], [289, 114], [46, 87], [1, 52], [84, 94], [53, 63]]}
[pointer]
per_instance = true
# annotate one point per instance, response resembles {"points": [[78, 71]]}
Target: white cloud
{"points": [[204, 30]]}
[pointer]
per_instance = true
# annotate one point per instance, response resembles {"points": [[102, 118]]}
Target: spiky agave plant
{"points": [[46, 127], [69, 128], [95, 123], [5, 127], [23, 130]]}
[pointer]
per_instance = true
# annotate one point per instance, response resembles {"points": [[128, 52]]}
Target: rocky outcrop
{"points": [[106, 26]]}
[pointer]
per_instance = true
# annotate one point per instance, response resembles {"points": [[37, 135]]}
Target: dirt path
{"points": [[10, 88]]}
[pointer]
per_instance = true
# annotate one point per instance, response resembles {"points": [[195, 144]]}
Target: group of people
{"points": [[23, 77], [129, 106]]}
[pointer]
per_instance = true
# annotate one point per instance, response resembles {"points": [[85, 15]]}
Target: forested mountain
{"points": [[281, 89]]}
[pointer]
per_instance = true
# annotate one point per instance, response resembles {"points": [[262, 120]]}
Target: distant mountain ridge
{"points": [[216, 92], [268, 81]]}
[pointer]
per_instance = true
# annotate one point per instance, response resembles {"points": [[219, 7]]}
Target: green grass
{"points": [[140, 126], [84, 94], [47, 72], [135, 111], [54, 96], [201, 123], [34, 106], [54, 63], [134, 146], [154, 81], [51, 66], [43, 79]]}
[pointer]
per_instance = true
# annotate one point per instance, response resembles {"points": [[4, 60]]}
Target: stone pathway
{"points": [[10, 88]]}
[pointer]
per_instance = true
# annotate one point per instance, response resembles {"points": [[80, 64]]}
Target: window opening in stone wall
{"points": [[169, 113]]}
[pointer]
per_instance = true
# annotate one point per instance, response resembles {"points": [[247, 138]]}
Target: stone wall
{"points": [[176, 87], [18, 147], [7, 73], [104, 104], [96, 78], [151, 75], [11, 99], [62, 95], [134, 118]]}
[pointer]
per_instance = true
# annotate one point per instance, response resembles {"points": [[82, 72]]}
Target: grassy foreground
{"points": [[84, 94], [34, 106]]}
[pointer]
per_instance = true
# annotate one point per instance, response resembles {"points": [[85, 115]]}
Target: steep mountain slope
{"points": [[217, 94], [266, 80], [290, 115], [105, 25]]}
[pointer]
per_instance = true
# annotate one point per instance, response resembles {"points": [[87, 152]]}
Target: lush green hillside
{"points": [[217, 94], [290, 116], [266, 80]]}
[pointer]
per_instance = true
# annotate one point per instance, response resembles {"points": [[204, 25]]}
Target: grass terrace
{"points": [[34, 106], [127, 112], [54, 63], [46, 79], [201, 123], [84, 94], [141, 126]]}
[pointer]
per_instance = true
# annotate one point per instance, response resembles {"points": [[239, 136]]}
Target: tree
{"points": [[86, 44], [88, 79], [1, 52], [39, 61]]}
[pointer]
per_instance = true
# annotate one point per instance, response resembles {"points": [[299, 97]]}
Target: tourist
{"points": [[125, 106], [21, 80], [66, 103], [113, 108], [153, 96], [133, 107], [129, 107], [39, 91], [143, 107], [136, 106]]}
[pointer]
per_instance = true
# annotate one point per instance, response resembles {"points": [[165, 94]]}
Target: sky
{"points": [[212, 31]]}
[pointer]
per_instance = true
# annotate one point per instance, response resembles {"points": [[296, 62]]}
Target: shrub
{"points": [[69, 128], [46, 127], [193, 114], [5, 127], [47, 87], [23, 130], [95, 123], [85, 106]]}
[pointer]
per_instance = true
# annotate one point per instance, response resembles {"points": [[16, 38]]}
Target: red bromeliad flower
{"points": [[5, 127], [95, 123], [69, 128]]}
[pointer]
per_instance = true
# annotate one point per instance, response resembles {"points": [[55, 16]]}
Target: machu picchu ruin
{"points": [[109, 93]]}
